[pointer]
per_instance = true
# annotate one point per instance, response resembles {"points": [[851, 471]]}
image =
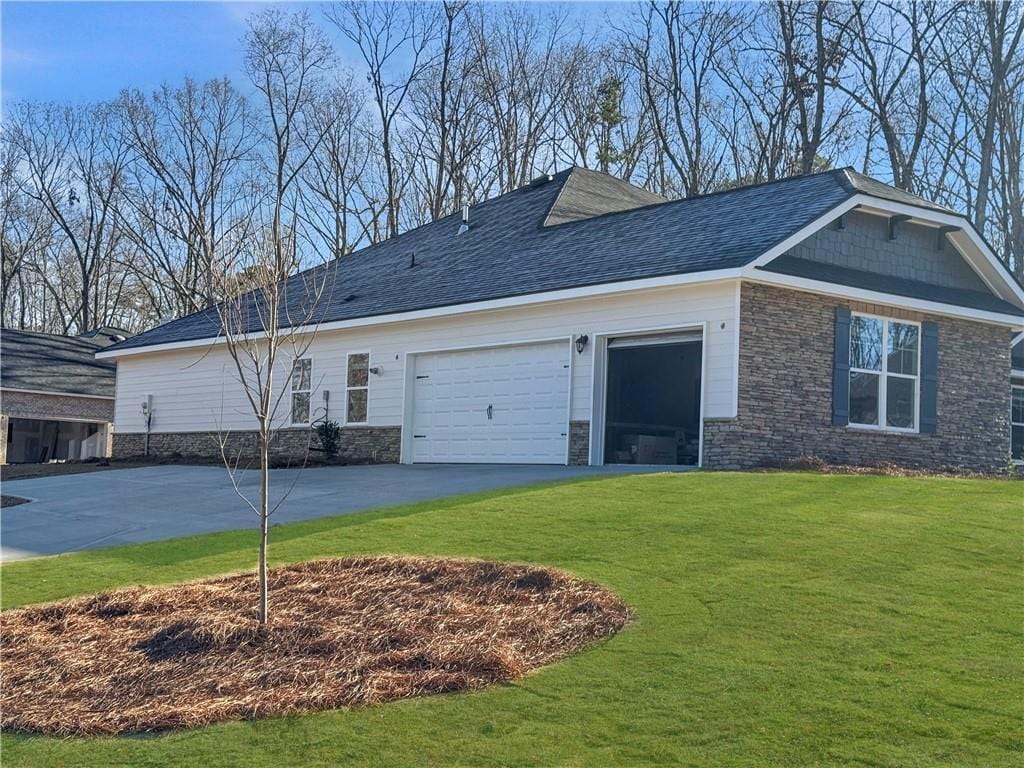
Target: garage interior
{"points": [[40, 440], [652, 400]]}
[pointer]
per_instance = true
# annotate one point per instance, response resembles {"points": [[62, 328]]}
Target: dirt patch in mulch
{"points": [[343, 632]]}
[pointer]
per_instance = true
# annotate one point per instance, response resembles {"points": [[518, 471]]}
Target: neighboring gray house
{"points": [[56, 399], [582, 320]]}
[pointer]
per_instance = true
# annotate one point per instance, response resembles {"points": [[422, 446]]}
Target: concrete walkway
{"points": [[120, 506]]}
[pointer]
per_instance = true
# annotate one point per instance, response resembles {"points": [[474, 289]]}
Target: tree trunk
{"points": [[264, 524]]}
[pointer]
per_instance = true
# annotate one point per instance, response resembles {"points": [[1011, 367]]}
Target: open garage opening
{"points": [[34, 441], [652, 399]]}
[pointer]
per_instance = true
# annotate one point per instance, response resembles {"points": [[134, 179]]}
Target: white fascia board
{"points": [[568, 294], [51, 393], [888, 299]]}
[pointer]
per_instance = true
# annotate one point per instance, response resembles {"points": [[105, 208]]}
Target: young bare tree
{"points": [[267, 320]]}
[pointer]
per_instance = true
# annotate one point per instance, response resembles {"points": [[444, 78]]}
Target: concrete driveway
{"points": [[121, 506]]}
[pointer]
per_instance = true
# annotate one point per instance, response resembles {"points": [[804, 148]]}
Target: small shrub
{"points": [[329, 434]]}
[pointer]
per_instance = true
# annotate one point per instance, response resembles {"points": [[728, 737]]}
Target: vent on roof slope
{"points": [[542, 180], [464, 226]]}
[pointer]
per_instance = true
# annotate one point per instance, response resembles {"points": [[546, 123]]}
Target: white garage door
{"points": [[497, 405]]}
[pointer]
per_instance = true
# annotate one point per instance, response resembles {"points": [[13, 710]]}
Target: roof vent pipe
{"points": [[464, 226]]}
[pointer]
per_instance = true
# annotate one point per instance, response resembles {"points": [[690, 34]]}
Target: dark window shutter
{"points": [[841, 369], [929, 375]]}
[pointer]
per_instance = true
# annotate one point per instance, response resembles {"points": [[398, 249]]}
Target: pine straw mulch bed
{"points": [[342, 632]]}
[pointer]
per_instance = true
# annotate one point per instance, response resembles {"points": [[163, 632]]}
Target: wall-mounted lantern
{"points": [[581, 342]]}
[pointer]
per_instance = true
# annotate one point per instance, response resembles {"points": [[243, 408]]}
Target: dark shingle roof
{"points": [[49, 363], [873, 281], [865, 185], [579, 229]]}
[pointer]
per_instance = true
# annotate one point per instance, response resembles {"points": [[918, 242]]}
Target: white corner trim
{"points": [[736, 351], [50, 393], [887, 299], [604, 289]]}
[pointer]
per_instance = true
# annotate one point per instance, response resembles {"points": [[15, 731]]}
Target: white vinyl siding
{"points": [[196, 389]]}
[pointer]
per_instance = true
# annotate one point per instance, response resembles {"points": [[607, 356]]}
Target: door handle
{"points": [[490, 412]]}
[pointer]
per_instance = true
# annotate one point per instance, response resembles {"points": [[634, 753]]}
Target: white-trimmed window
{"points": [[1017, 423], [302, 378], [357, 387], [885, 368]]}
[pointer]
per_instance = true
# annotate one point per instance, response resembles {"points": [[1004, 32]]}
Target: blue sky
{"points": [[90, 51]]}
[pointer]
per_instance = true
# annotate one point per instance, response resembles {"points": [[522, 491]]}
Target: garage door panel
{"points": [[526, 387]]}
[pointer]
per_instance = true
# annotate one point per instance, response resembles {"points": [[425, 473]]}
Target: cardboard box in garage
{"points": [[655, 450]]}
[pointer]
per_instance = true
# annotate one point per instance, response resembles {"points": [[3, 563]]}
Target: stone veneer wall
{"points": [[579, 443], [380, 445], [785, 392]]}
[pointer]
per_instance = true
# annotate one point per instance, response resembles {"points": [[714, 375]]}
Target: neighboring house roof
{"points": [[575, 229], [105, 335], [44, 362]]}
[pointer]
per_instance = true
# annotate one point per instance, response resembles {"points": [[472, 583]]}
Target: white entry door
{"points": [[490, 406]]}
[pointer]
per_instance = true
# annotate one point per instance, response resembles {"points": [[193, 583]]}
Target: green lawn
{"points": [[782, 619]]}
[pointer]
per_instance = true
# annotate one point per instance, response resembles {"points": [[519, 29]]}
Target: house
{"points": [[56, 398], [582, 320]]}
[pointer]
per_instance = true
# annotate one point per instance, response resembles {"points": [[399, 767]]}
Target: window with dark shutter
{"points": [[929, 375], [841, 369]]}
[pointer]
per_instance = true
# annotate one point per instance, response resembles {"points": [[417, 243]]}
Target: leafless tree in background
{"points": [[112, 216], [673, 50], [386, 34], [74, 162], [332, 206], [524, 66], [189, 146]]}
